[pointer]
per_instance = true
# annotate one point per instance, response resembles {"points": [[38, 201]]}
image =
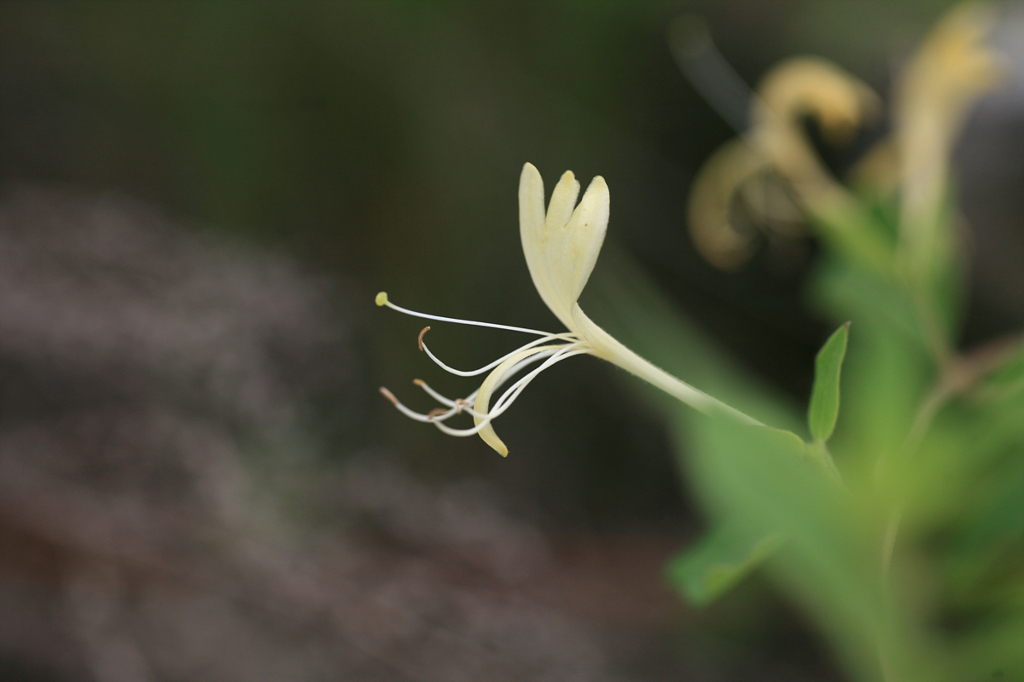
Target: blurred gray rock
{"points": [[152, 384]]}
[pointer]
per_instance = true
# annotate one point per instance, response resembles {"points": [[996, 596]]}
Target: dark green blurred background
{"points": [[379, 145]]}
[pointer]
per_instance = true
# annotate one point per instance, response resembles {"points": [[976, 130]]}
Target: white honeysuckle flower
{"points": [[561, 248]]}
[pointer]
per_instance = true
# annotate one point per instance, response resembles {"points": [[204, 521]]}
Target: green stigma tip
{"points": [[382, 298]]}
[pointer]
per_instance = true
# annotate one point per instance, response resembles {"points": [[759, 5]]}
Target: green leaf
{"points": [[722, 558], [762, 480], [887, 372], [824, 408]]}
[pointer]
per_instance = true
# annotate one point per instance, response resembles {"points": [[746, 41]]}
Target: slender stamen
{"points": [[438, 414], [466, 403], [382, 299], [488, 367], [434, 394], [546, 356], [411, 414], [461, 433], [518, 367], [510, 395], [709, 72]]}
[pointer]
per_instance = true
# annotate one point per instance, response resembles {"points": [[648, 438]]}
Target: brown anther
{"points": [[459, 404], [436, 412], [389, 395], [419, 382], [419, 341]]}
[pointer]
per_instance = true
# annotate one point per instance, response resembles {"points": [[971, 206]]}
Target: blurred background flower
{"points": [[198, 202]]}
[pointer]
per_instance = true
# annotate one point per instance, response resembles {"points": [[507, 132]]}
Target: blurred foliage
{"points": [[909, 558], [379, 142]]}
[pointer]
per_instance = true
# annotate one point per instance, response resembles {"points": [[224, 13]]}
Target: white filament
{"points": [[549, 357]]}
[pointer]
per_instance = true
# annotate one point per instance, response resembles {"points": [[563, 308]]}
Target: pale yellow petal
{"points": [[949, 72], [560, 210], [800, 87], [561, 251], [483, 397], [710, 206], [563, 202], [533, 233], [586, 229]]}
